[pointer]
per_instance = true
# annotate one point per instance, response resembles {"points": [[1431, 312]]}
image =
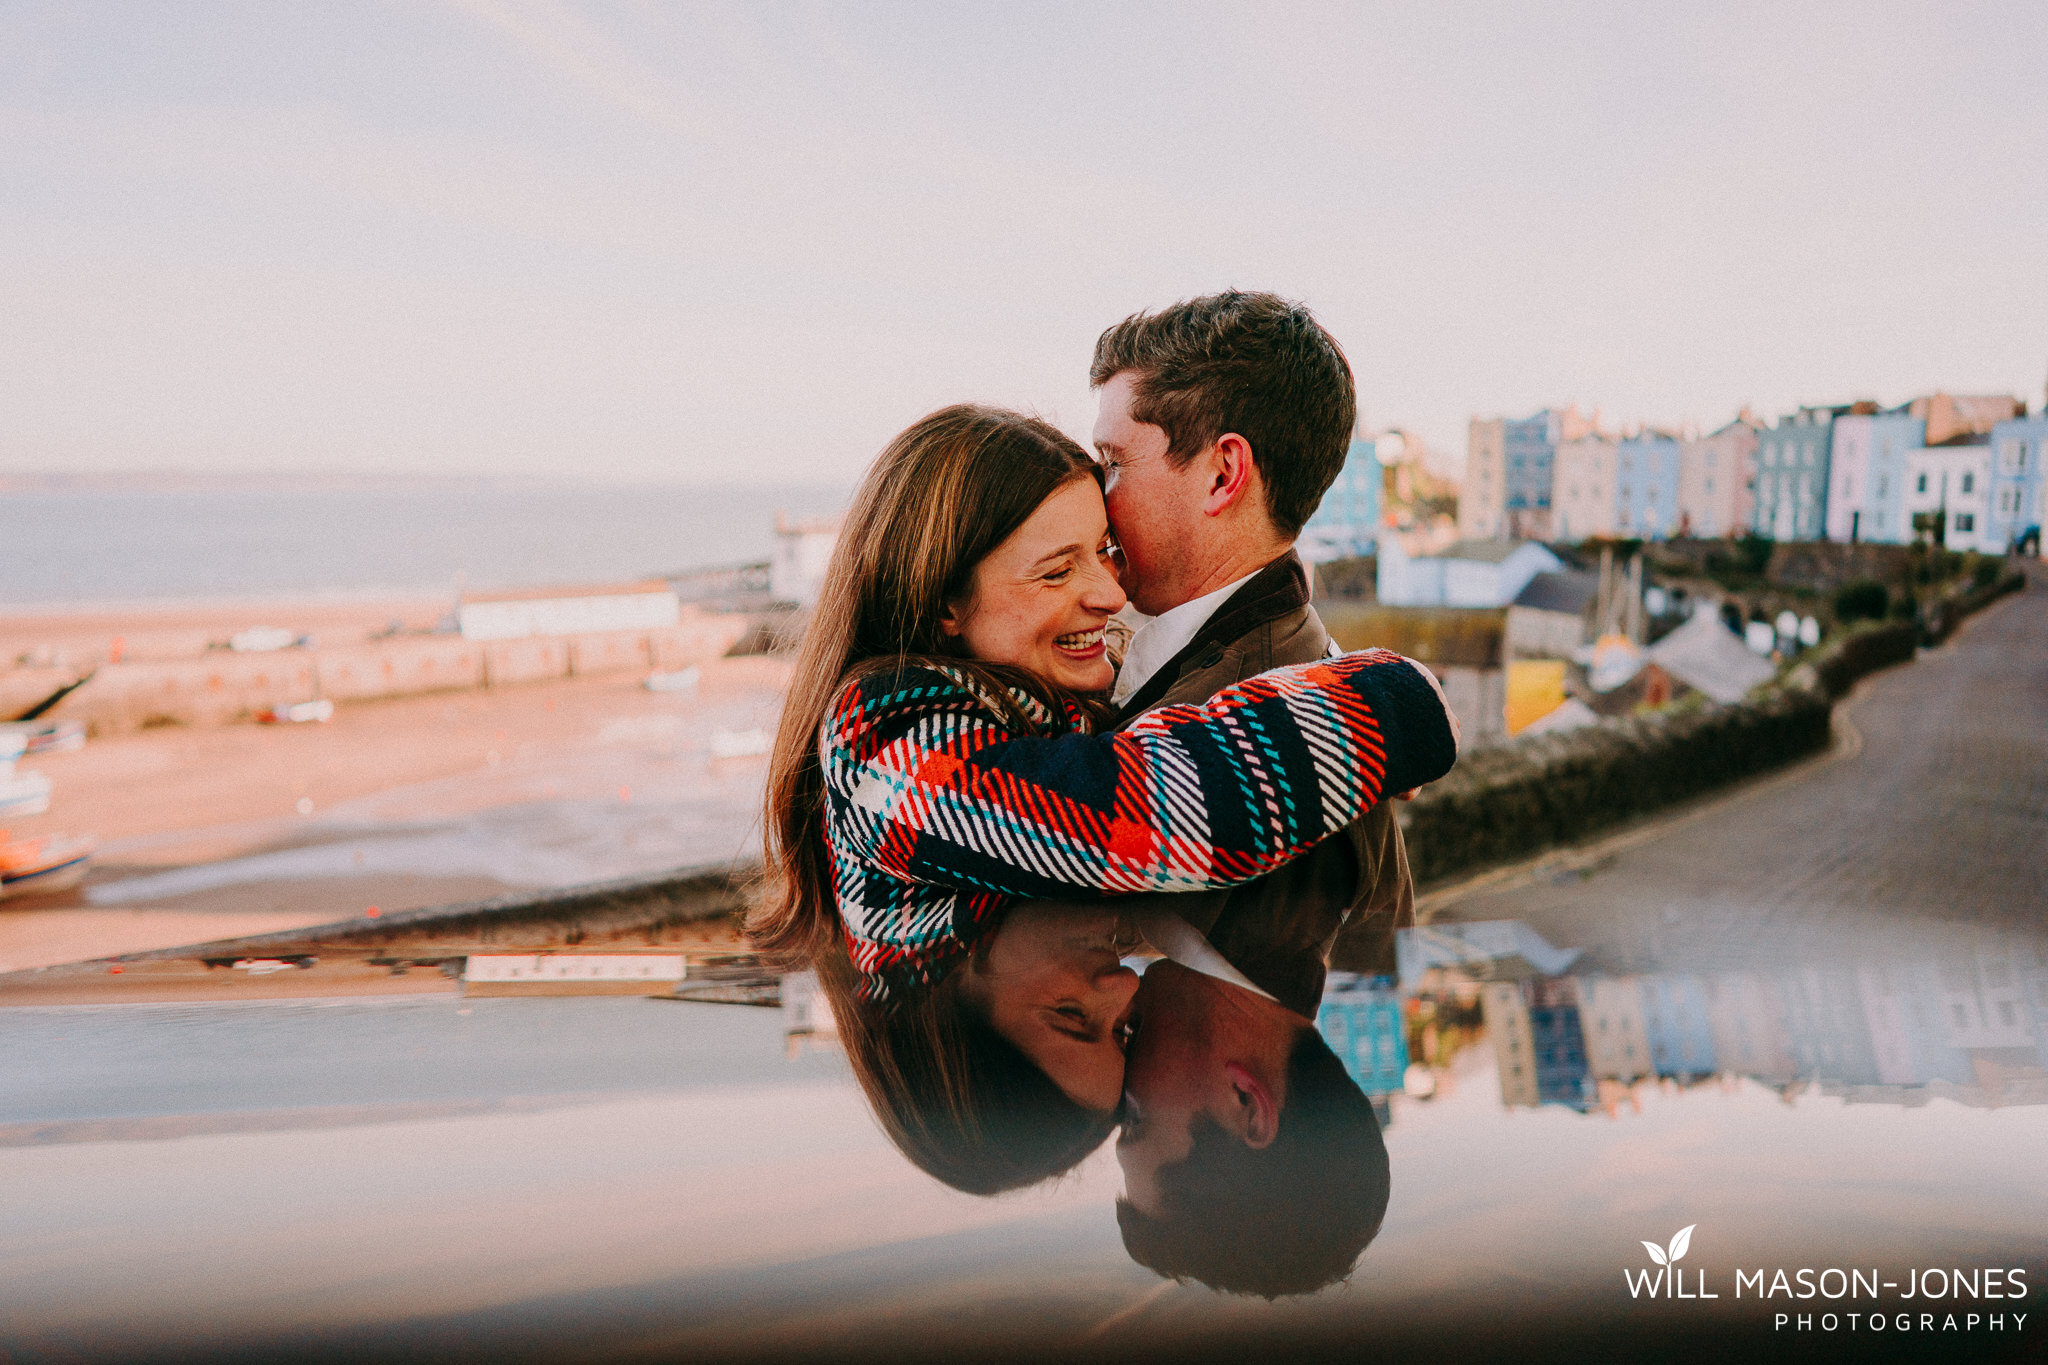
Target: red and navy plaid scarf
{"points": [[937, 814]]}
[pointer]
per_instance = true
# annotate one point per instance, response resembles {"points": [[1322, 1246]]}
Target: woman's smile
{"points": [[1083, 644]]}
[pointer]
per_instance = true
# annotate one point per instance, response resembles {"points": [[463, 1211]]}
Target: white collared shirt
{"points": [[1156, 639], [1184, 943]]}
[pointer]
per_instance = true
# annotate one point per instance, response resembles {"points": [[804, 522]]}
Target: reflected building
{"points": [[1617, 1040], [1907, 1040], [1984, 1003], [1829, 1037], [1747, 1020], [1361, 1021], [1539, 1042], [1563, 1075], [1677, 1026], [1966, 1021], [807, 1020], [1506, 1012]]}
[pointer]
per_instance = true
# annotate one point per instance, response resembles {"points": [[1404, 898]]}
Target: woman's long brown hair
{"points": [[943, 494]]}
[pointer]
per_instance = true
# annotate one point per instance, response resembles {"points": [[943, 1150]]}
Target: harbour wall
{"points": [[222, 687]]}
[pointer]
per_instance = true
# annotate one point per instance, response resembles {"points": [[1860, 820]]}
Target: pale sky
{"points": [[749, 242]]}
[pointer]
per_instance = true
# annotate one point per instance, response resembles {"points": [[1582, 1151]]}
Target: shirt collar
{"points": [[1156, 639], [1184, 943]]}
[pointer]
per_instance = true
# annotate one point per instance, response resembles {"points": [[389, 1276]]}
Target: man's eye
{"points": [[1059, 575]]}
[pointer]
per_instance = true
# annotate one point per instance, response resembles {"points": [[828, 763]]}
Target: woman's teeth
{"points": [[1080, 639]]}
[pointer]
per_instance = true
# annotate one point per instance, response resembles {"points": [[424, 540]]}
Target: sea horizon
{"points": [[137, 546]]}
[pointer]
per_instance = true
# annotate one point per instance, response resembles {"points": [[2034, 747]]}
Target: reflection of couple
{"points": [[964, 773]]}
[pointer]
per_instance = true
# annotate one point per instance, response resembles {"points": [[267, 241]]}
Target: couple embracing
{"points": [[983, 783]]}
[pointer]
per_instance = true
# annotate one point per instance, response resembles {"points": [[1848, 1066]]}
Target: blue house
{"points": [[1792, 462], [1646, 486], [1363, 1026], [2017, 450], [1347, 522], [1529, 454]]}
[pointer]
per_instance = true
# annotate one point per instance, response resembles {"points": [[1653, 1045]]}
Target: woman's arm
{"points": [[925, 784]]}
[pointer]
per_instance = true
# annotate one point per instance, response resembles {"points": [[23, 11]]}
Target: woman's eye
{"points": [[1059, 575]]}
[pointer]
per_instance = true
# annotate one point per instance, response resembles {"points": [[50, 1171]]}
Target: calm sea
{"points": [[66, 547]]}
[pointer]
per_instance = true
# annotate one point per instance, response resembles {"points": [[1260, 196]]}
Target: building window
{"points": [[1920, 484], [1969, 482], [1966, 521]]}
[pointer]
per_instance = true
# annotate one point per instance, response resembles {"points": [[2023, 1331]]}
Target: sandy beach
{"points": [[213, 831]]}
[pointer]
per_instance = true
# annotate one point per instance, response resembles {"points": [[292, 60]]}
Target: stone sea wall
{"points": [[222, 687]]}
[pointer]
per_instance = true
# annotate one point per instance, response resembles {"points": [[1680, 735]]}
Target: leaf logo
{"points": [[1676, 1252]]}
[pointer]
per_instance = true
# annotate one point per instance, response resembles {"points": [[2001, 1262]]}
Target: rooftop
{"points": [[1483, 551], [1570, 590]]}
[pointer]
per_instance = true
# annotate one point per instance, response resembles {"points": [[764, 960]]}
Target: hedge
{"points": [[1855, 653], [1940, 617], [1511, 800]]}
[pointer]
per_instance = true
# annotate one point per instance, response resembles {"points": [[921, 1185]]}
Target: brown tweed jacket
{"points": [[1280, 930]]}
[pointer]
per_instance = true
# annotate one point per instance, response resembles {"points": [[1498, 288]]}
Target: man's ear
{"points": [[1257, 1119], [1231, 473]]}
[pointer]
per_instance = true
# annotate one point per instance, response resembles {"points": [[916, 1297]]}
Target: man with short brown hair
{"points": [[1251, 1161]]}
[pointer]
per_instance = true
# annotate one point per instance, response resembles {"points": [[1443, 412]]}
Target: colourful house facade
{"points": [[1792, 459], [1646, 486], [1867, 475], [1347, 522], [2019, 495]]}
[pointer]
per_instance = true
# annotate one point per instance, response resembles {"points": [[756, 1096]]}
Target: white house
{"points": [[1952, 482], [1585, 488], [568, 611], [1466, 573], [803, 551]]}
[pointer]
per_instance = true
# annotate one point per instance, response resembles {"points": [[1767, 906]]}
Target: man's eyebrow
{"points": [[1109, 447]]}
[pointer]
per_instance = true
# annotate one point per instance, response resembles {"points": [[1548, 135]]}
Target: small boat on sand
{"points": [[299, 713], [44, 736], [37, 867]]}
